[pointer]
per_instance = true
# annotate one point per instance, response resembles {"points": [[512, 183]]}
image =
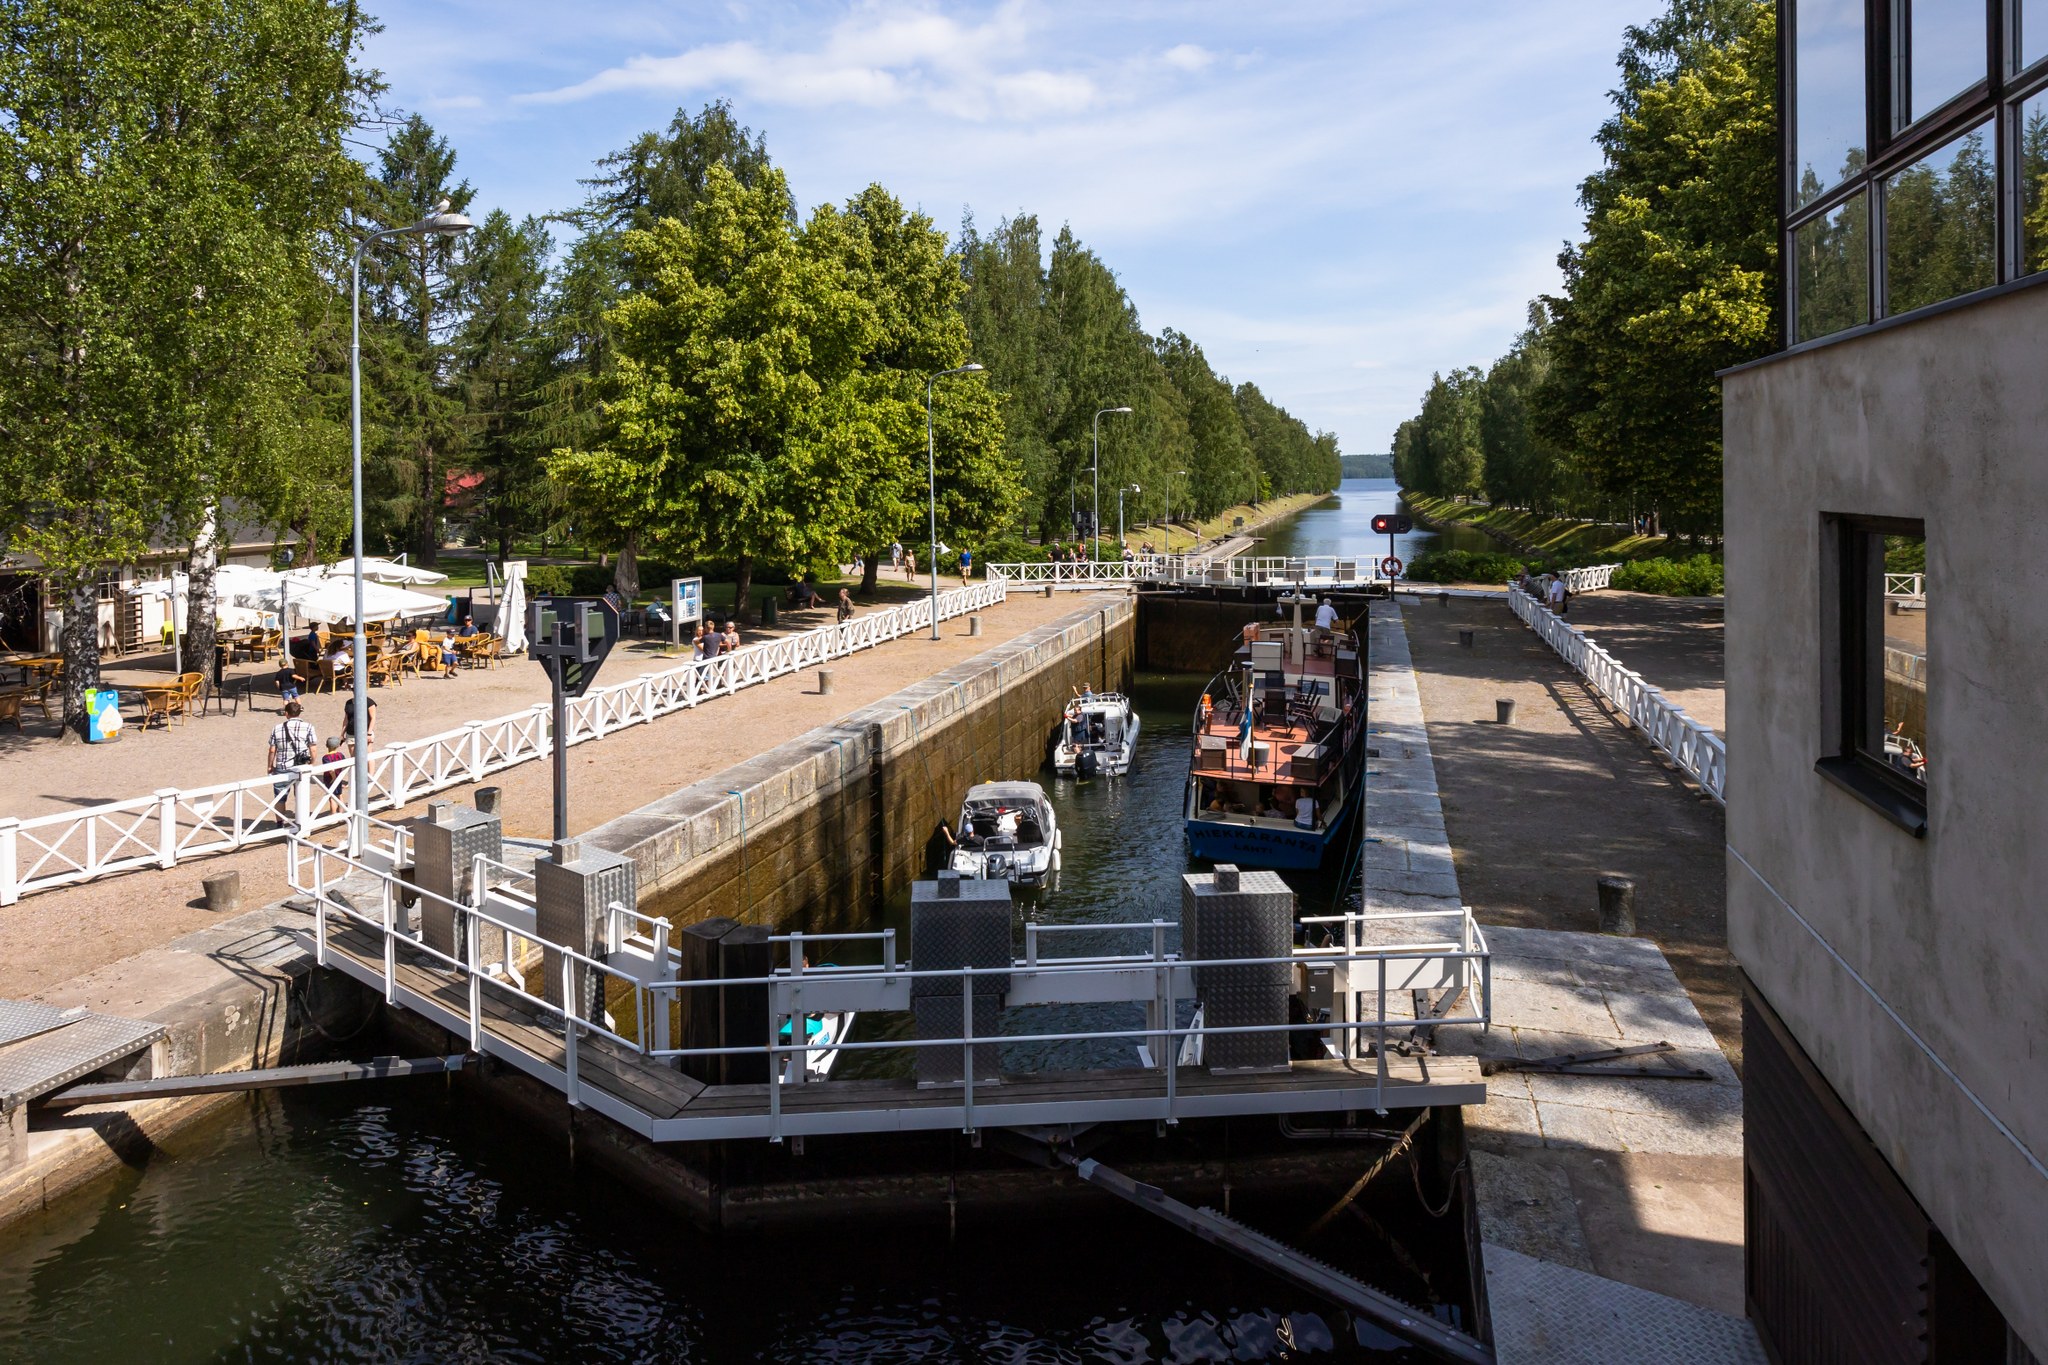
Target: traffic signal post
{"points": [[1391, 524], [569, 637]]}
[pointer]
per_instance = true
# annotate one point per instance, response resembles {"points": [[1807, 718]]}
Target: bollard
{"points": [[1896, 606], [487, 799], [767, 611], [824, 682], [224, 892], [974, 625], [1443, 599], [1504, 710], [1464, 639], [1617, 905], [1048, 592]]}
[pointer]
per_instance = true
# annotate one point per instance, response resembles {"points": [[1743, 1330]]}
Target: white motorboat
{"points": [[824, 1033], [1007, 833], [1098, 736]]}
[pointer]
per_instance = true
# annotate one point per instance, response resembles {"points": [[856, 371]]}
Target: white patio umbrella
{"points": [[374, 571], [233, 587], [332, 600]]}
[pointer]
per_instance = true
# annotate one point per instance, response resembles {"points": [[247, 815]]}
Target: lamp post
{"points": [[440, 223], [931, 469], [1127, 488], [1095, 499], [1169, 518]]}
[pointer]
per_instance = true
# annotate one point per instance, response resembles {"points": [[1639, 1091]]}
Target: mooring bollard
{"points": [[1464, 639], [1048, 592], [1443, 599], [1504, 710], [824, 682], [974, 625], [487, 799], [224, 892], [1617, 905]]}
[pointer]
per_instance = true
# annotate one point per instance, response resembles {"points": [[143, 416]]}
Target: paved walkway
{"points": [[1610, 1208], [52, 936]]}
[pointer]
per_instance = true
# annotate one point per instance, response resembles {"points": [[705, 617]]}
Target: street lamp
{"points": [[1127, 488], [1095, 499], [1169, 516], [440, 223], [931, 470]]}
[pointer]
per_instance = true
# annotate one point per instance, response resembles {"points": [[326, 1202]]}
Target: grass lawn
{"points": [[1543, 535]]}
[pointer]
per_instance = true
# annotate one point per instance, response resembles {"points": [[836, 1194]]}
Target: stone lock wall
{"points": [[815, 833]]}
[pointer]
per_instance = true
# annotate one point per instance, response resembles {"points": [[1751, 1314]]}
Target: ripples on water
{"points": [[315, 1226]]}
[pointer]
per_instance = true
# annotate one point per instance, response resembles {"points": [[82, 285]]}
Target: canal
{"points": [[1343, 526], [397, 1224]]}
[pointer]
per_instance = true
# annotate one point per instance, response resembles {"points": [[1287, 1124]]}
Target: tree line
{"points": [[1606, 406], [681, 365]]}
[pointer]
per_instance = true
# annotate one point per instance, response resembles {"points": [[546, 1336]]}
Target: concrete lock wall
{"points": [[815, 833], [1831, 907]]}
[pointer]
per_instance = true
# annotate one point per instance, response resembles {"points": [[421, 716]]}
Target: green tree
{"points": [[1678, 276], [502, 363], [165, 170]]}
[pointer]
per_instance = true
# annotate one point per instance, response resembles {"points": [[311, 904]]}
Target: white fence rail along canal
{"points": [[1700, 753], [173, 825]]}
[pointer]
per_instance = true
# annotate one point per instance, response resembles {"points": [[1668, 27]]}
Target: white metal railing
{"points": [[1590, 577], [1193, 570], [173, 825], [1909, 588], [1696, 749], [636, 978]]}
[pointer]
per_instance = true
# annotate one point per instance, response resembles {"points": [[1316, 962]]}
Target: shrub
{"points": [[548, 580], [1464, 566], [1699, 576]]}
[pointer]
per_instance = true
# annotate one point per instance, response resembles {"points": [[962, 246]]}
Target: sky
{"points": [[1334, 200]]}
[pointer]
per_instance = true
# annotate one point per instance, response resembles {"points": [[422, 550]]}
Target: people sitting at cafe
{"points": [[802, 595]]}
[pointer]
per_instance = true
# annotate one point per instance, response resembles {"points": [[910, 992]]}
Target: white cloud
{"points": [[1188, 57]]}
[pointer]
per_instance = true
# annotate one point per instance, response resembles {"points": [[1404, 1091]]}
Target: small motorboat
{"points": [[1098, 736], [824, 1033], [1007, 833]]}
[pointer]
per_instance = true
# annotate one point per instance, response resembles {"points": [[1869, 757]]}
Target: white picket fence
{"points": [[173, 825], [1697, 750]]}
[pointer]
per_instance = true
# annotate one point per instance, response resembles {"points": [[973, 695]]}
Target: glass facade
{"points": [[1828, 76], [2033, 170], [1832, 261], [1941, 225], [1944, 55], [1928, 184]]}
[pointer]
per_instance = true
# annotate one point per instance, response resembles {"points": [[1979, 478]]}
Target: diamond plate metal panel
{"points": [[1549, 1314], [39, 1064], [26, 1018], [569, 909], [1253, 918], [939, 1017], [446, 844], [958, 922]]}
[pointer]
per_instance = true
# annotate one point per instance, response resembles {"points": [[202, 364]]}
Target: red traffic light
{"points": [[1392, 524]]}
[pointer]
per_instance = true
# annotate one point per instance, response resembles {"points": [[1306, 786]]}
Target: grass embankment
{"points": [[1648, 563], [1183, 536]]}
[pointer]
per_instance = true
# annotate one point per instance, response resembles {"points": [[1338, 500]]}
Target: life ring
{"points": [[1390, 567]]}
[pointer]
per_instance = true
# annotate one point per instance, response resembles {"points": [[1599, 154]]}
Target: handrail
{"points": [[172, 825], [1700, 753]]}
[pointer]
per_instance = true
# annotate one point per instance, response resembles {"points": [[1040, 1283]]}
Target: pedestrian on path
{"points": [[966, 566], [1560, 596], [895, 554], [910, 563], [291, 748], [845, 605], [732, 635]]}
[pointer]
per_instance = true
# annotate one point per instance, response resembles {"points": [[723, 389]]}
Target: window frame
{"points": [[1855, 670], [1889, 149]]}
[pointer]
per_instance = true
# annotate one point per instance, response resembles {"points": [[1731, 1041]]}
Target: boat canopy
{"points": [[1006, 791]]}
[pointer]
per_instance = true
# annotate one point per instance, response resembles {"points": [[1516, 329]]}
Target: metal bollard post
{"points": [[974, 625], [1465, 639], [824, 682], [1504, 710]]}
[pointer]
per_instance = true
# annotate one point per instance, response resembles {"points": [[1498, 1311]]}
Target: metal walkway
{"points": [[617, 1058], [43, 1048]]}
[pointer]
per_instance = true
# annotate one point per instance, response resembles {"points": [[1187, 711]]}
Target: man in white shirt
{"points": [[1558, 594], [1305, 811], [1326, 616], [291, 747]]}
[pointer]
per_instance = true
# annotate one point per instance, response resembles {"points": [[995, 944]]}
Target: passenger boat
{"points": [[1279, 747], [1007, 832], [1098, 735]]}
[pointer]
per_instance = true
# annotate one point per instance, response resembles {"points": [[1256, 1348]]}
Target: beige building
{"points": [[1887, 545]]}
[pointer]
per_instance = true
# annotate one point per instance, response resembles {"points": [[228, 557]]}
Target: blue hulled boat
{"points": [[1279, 747]]}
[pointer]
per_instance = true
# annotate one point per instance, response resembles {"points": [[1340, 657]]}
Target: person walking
{"points": [[910, 564], [291, 748], [845, 605], [966, 566], [1560, 596], [895, 554], [732, 635], [348, 721]]}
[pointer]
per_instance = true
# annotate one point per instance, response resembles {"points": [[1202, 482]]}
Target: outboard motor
{"points": [[1087, 764]]}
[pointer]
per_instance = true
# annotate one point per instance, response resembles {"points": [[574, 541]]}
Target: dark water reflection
{"points": [[319, 1226]]}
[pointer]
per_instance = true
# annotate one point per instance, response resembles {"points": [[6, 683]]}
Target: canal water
{"points": [[392, 1224], [1342, 525]]}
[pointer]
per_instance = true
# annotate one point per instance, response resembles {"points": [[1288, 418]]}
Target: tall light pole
{"points": [[439, 223], [1095, 499], [1127, 488], [1169, 518], [931, 469]]}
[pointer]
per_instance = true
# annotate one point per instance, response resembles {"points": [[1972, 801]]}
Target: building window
{"points": [[2033, 161], [1941, 225], [2030, 32], [1828, 67], [1881, 750], [1833, 263], [1938, 53]]}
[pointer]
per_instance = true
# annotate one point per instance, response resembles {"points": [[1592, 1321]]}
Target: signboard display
{"points": [[570, 637], [686, 600]]}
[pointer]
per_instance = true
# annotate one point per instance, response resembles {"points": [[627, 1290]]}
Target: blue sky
{"points": [[1334, 200]]}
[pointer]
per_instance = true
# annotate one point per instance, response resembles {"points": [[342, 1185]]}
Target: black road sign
{"points": [[1392, 524], [574, 633]]}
